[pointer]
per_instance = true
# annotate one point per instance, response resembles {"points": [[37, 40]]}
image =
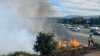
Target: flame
{"points": [[61, 44], [73, 42]]}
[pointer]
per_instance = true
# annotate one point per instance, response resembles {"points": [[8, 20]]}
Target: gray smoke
{"points": [[58, 29], [20, 20]]}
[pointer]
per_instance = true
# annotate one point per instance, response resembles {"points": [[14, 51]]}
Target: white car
{"points": [[96, 28], [78, 28], [74, 29]]}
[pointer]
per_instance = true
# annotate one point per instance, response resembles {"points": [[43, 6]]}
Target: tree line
{"points": [[80, 20]]}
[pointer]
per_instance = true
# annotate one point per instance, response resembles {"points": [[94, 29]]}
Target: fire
{"points": [[61, 44], [73, 42]]}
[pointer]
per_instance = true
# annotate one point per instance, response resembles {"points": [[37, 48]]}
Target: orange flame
{"points": [[73, 42]]}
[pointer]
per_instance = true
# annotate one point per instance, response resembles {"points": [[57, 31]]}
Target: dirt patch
{"points": [[96, 53]]}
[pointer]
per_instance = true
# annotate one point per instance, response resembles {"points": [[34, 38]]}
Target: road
{"points": [[82, 36]]}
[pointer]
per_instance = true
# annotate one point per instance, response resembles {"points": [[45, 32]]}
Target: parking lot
{"points": [[82, 35]]}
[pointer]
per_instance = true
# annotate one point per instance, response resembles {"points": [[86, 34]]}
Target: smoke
{"points": [[58, 29], [20, 20]]}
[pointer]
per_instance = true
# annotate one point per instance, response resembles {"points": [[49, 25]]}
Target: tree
{"points": [[45, 43]]}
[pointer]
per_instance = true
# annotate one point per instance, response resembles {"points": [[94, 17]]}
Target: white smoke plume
{"points": [[20, 20]]}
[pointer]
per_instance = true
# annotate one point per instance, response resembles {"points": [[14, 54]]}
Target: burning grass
{"points": [[72, 43], [76, 51], [73, 48]]}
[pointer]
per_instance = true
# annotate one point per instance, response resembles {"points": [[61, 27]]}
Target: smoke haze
{"points": [[20, 20]]}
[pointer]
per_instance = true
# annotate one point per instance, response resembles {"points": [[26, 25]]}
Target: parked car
{"points": [[96, 33], [78, 28], [74, 29], [93, 30]]}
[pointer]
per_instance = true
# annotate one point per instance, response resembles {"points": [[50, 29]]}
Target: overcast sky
{"points": [[76, 7]]}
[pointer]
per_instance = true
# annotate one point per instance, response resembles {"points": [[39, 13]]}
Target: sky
{"points": [[76, 7]]}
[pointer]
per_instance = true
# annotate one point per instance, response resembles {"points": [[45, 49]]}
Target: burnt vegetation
{"points": [[76, 51]]}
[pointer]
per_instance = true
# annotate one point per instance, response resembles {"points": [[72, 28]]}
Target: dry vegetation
{"points": [[77, 51]]}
